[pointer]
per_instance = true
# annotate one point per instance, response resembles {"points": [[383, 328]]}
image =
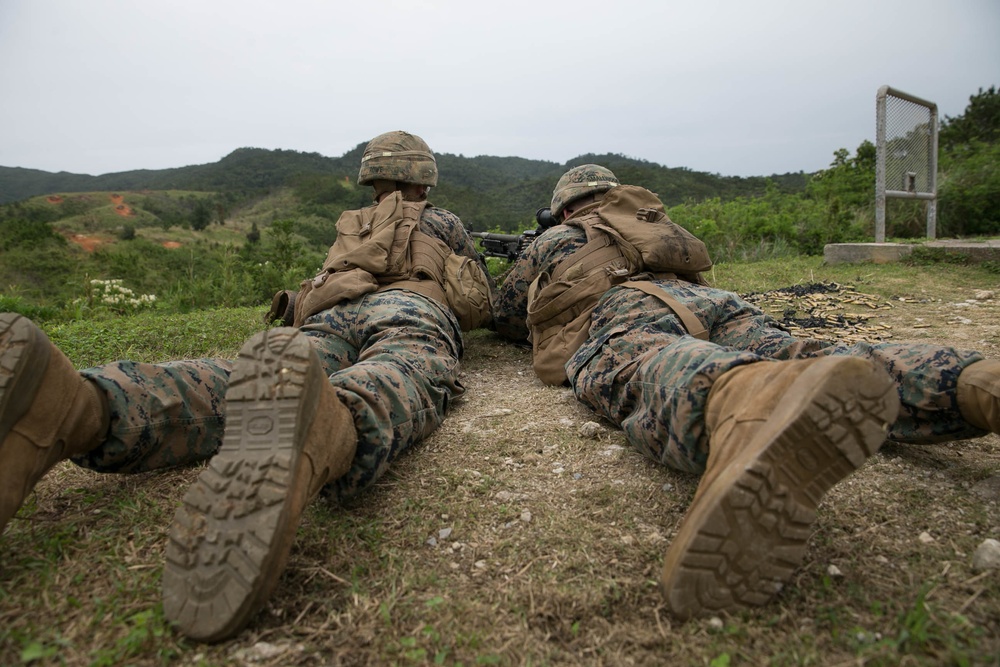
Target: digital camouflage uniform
{"points": [[640, 370], [368, 369], [702, 381], [392, 356]]}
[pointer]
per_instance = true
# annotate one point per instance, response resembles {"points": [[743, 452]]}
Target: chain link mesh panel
{"points": [[906, 153], [908, 160]]}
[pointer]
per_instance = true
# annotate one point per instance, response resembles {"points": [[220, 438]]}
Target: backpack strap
{"points": [[601, 250], [688, 319]]}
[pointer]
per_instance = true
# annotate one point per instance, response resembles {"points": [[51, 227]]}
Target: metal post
{"points": [[880, 164], [932, 184]]}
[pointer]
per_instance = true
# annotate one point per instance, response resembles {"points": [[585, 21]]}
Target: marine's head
{"points": [[397, 158], [580, 182]]}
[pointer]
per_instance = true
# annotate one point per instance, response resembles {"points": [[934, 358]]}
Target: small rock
{"points": [[432, 542], [565, 421], [925, 537], [263, 651], [481, 564], [984, 295], [589, 430], [668, 487], [988, 489], [834, 571], [987, 556], [444, 533], [881, 559], [558, 471], [715, 623], [526, 516]]}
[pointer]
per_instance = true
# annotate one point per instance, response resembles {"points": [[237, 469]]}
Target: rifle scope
{"points": [[544, 218]]}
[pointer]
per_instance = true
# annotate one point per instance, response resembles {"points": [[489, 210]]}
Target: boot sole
{"points": [[24, 356], [232, 535], [748, 533]]}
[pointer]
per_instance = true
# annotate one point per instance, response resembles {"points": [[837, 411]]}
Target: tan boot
{"points": [[48, 411], [287, 434], [979, 394], [781, 434]]}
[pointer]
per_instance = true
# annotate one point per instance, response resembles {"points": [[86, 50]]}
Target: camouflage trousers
{"points": [[392, 357], [640, 370]]}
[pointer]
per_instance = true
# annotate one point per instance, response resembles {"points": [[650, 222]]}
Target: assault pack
{"points": [[381, 247], [630, 242]]}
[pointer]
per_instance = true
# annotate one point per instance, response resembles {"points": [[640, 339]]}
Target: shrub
{"points": [[111, 296]]}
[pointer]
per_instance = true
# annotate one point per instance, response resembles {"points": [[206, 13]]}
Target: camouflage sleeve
{"points": [[447, 226], [510, 313]]}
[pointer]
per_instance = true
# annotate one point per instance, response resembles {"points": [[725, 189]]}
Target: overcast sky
{"points": [[742, 87]]}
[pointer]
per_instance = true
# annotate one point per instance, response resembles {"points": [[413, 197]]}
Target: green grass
{"points": [[153, 336], [575, 584]]}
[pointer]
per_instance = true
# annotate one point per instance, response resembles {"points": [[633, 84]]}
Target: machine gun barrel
{"points": [[506, 246], [510, 246]]}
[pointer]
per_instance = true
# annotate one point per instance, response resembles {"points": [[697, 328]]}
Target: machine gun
{"points": [[510, 246]]}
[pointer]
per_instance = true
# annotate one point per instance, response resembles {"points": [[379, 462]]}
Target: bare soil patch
{"points": [[88, 243]]}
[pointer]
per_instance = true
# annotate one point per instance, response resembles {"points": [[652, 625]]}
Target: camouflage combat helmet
{"points": [[398, 156], [578, 182]]}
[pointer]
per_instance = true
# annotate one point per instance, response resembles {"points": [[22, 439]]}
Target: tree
{"points": [[200, 216], [980, 122], [285, 246], [969, 192]]}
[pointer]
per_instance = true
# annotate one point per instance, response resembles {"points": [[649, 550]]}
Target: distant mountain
{"points": [[487, 189], [244, 170]]}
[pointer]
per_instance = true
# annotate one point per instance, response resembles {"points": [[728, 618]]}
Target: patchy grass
{"points": [[508, 538]]}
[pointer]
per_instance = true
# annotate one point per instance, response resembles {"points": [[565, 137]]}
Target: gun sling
{"points": [[688, 319]]}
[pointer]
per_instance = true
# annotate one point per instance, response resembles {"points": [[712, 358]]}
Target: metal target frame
{"points": [[906, 147]]}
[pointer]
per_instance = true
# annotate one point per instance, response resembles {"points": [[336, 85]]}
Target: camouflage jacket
{"points": [[510, 310]]}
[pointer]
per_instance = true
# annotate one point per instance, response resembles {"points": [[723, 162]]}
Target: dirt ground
{"points": [[525, 531]]}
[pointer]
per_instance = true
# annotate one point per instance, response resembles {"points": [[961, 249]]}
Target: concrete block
{"points": [[881, 253], [878, 253]]}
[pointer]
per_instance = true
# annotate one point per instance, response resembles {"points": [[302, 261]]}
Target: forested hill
{"points": [[487, 189], [244, 171]]}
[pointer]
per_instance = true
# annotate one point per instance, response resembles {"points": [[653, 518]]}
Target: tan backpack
{"points": [[659, 247], [381, 246], [630, 239]]}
